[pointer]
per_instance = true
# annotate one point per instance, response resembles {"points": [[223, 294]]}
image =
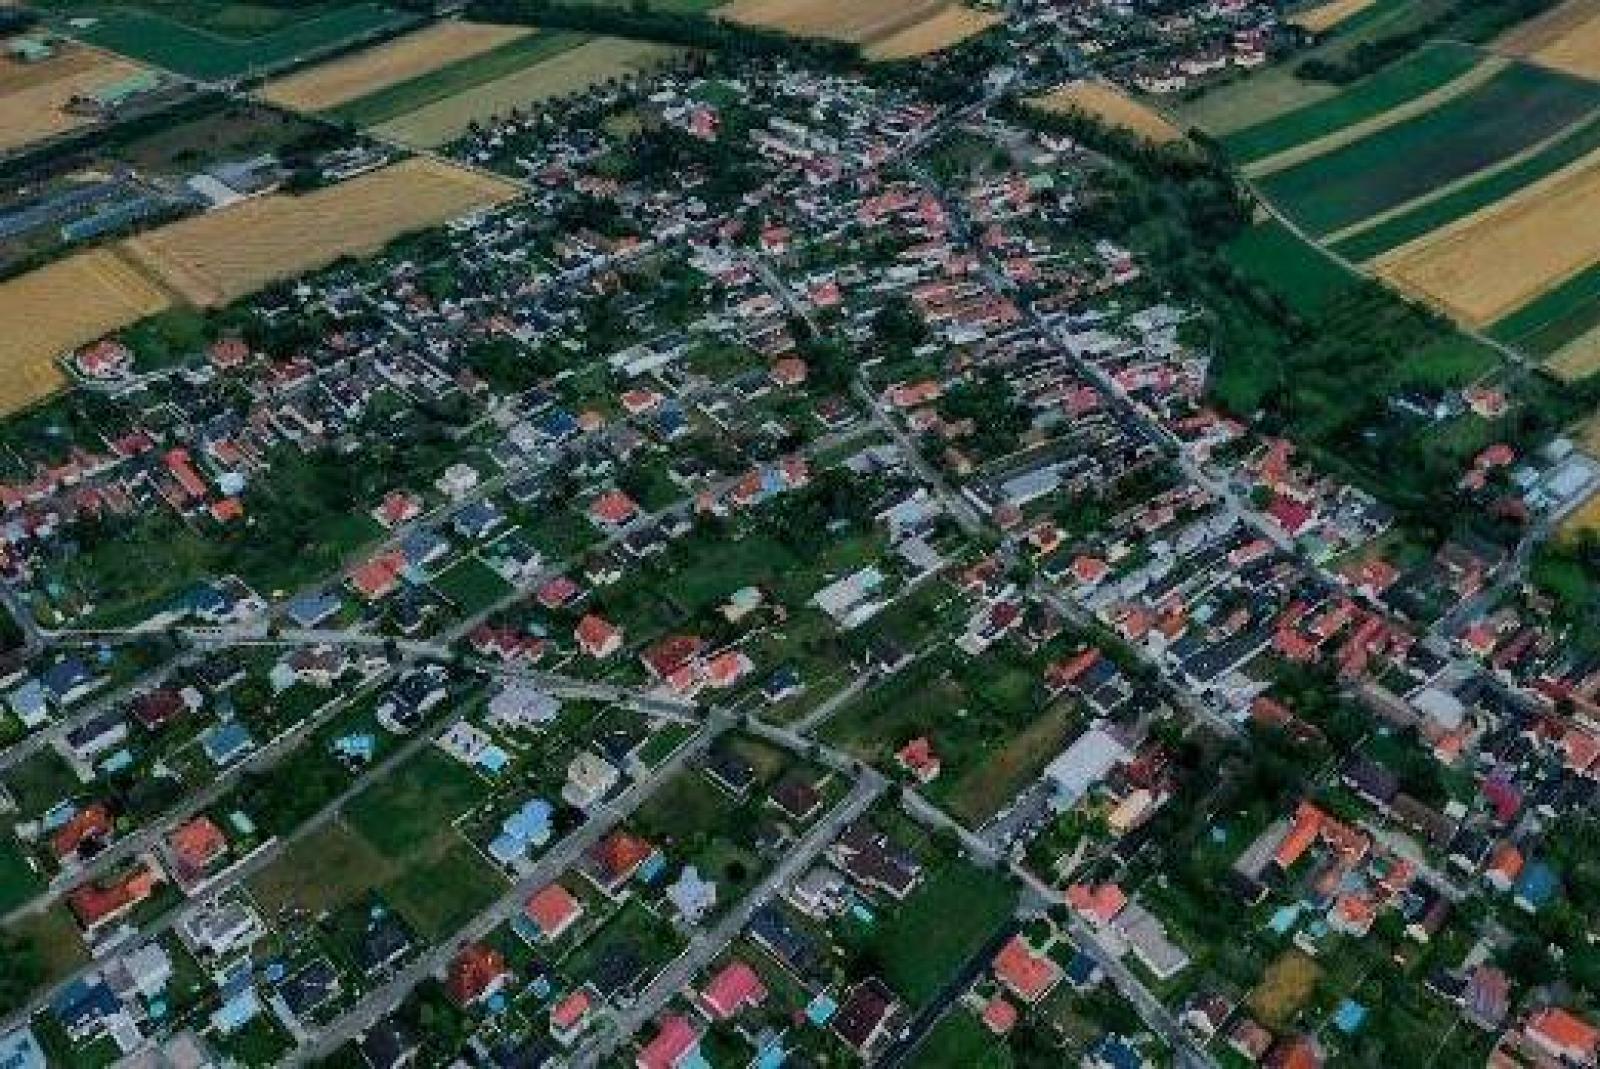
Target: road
{"points": [[706, 945], [377, 1003]]}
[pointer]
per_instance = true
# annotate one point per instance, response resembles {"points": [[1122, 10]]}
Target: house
{"points": [[521, 831], [84, 834], [19, 1049], [475, 974], [570, 1017], [821, 893], [917, 758], [1536, 888], [551, 911], [692, 896], [597, 637], [870, 858], [735, 987], [1027, 975], [676, 1044], [68, 680], [1563, 1035], [615, 859], [590, 778], [97, 735], [387, 1046], [522, 707], [221, 929], [195, 847], [865, 1019], [100, 903], [613, 510]]}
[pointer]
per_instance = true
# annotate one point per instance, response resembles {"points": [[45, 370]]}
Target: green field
{"points": [[226, 40], [923, 940], [1512, 111], [1480, 193], [1302, 277], [403, 813], [1567, 312], [1390, 87], [18, 881], [406, 97]]}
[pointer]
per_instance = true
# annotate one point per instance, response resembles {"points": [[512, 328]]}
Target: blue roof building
{"points": [[1537, 887], [226, 743], [21, 1050]]}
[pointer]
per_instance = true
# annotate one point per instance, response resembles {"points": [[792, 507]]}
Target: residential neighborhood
{"points": [[830, 560]]}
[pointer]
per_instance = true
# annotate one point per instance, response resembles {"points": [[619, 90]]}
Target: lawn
{"points": [[195, 40], [1300, 275], [41, 780], [1389, 87], [960, 1041], [631, 929], [1512, 111], [321, 872], [471, 586], [1478, 193], [439, 895], [18, 881], [414, 808], [454, 78], [1285, 987], [922, 941], [978, 793]]}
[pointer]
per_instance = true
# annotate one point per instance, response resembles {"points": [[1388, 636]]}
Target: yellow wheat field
{"points": [[212, 259], [948, 27], [331, 84], [33, 96], [576, 69], [1110, 105], [1567, 38], [889, 29], [1326, 16], [60, 307], [1496, 260]]}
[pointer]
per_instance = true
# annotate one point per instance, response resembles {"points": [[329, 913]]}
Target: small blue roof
{"points": [[62, 677], [83, 1002], [1538, 884], [1349, 1017], [226, 742], [1113, 1051], [312, 607], [821, 1009]]}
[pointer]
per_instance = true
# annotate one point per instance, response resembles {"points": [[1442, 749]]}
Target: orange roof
{"points": [[999, 1015], [732, 989], [1565, 1030], [1101, 901], [1028, 975], [1307, 826], [91, 823], [552, 908], [197, 843], [570, 1010]]}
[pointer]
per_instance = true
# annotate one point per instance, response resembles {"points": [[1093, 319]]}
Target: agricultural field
{"points": [[1399, 83], [892, 30], [216, 258], [1388, 230], [1486, 266], [1324, 17], [1296, 272], [1110, 105], [60, 307], [329, 85], [1517, 108], [33, 96], [1567, 38], [1563, 326], [1274, 90], [402, 98], [950, 26], [570, 70], [224, 40]]}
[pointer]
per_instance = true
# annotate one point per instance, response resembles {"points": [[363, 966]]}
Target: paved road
{"points": [[706, 945], [381, 1000]]}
